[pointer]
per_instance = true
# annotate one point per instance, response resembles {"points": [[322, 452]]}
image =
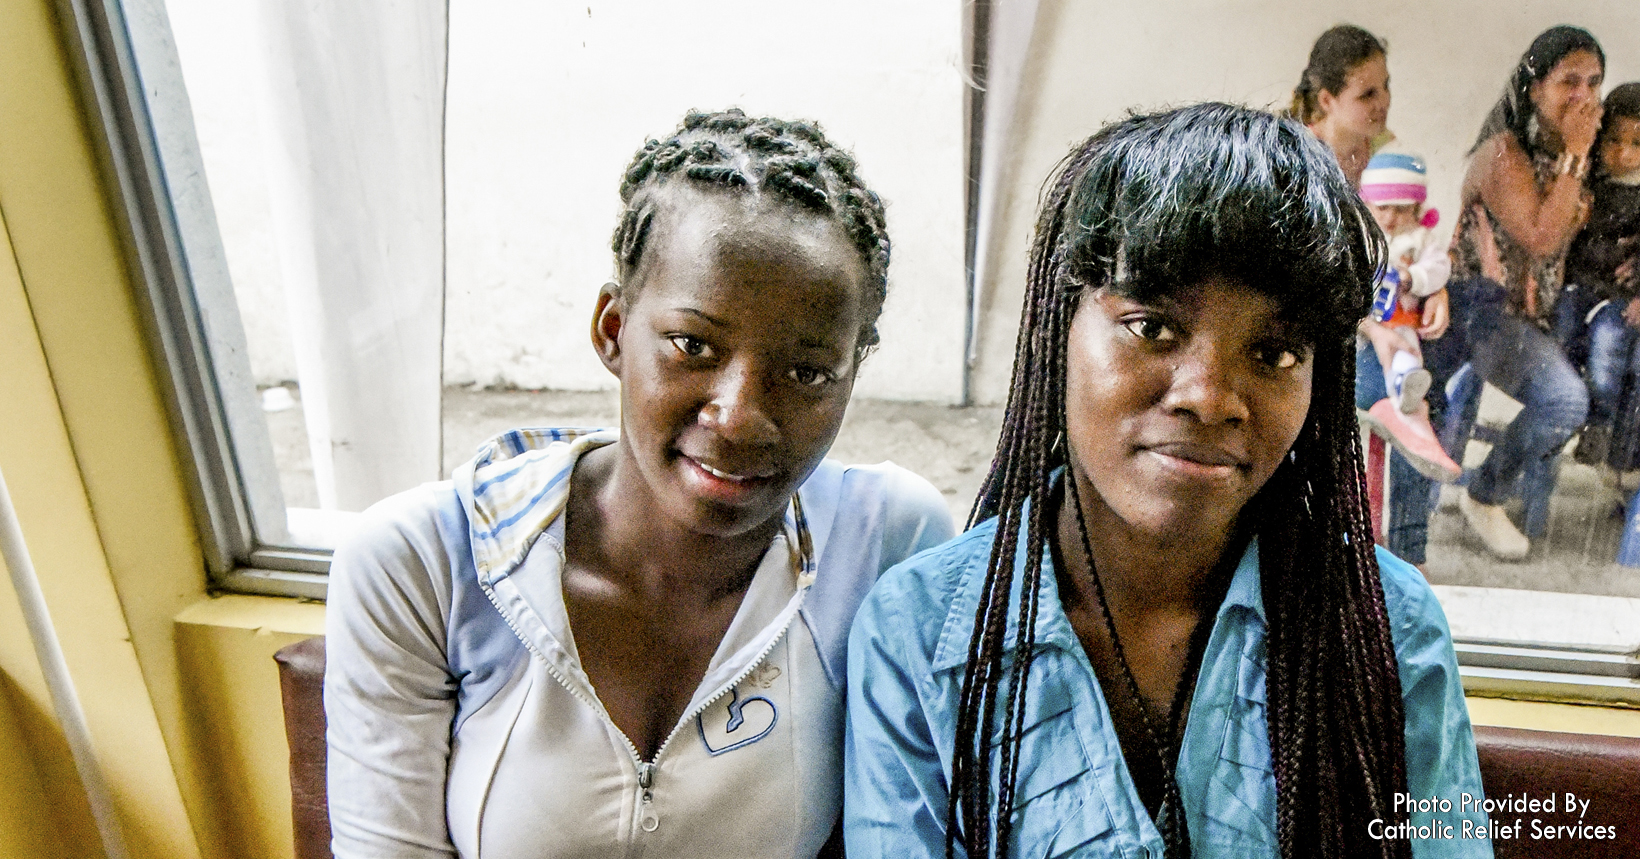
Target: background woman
{"points": [[593, 643], [1343, 96], [1172, 541], [1525, 192]]}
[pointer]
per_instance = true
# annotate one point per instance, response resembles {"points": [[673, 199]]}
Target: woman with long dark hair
{"points": [[1524, 199], [1168, 631]]}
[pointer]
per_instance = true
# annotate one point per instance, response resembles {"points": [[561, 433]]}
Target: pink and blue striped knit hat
{"points": [[1394, 179]]}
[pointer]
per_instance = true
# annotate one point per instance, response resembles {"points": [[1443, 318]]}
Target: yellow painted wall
{"points": [[232, 715], [179, 689]]}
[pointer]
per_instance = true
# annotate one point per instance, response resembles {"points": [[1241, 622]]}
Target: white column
{"points": [[352, 95]]}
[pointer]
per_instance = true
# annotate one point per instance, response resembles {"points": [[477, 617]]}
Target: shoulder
{"points": [[863, 519], [895, 490], [921, 595], [1498, 157], [1423, 641], [875, 515], [398, 553], [398, 528]]}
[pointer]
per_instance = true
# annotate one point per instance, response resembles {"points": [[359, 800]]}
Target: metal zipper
{"points": [[807, 569]]}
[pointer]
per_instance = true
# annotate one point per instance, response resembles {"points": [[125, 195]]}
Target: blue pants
{"points": [[1607, 343], [1519, 360]]}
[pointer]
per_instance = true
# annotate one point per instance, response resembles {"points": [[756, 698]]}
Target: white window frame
{"points": [[150, 157]]}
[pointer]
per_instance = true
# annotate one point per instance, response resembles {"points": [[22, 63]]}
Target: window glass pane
{"points": [[415, 228], [414, 212]]}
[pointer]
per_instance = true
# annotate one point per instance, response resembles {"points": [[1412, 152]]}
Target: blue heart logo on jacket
{"points": [[736, 724]]}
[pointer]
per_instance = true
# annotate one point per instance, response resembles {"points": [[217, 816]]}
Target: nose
{"points": [[739, 409], [1205, 385]]}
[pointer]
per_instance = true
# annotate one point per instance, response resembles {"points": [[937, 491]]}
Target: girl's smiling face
{"points": [[735, 346], [1179, 411], [1362, 106]]}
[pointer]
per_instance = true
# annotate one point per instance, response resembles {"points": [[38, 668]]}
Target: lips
{"points": [[755, 474], [726, 482], [1196, 453]]}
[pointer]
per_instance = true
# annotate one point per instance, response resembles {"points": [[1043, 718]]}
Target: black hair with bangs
{"points": [[1149, 205], [1174, 198]]}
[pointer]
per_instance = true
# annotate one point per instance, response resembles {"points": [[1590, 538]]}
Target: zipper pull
{"points": [[647, 819]]}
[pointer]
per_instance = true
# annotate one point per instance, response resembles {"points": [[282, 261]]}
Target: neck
{"points": [[615, 527], [1141, 571], [1351, 149]]}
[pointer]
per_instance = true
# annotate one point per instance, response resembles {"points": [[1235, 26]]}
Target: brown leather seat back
{"points": [[302, 683], [1603, 770]]}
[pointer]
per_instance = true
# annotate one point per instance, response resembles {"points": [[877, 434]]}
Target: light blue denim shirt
{"points": [[1074, 794]]}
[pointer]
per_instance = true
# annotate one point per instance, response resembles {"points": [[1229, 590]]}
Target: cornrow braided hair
{"points": [[739, 154], [1149, 205]]}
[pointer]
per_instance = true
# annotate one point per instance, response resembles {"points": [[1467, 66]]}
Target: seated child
{"points": [[1600, 306], [1395, 185]]}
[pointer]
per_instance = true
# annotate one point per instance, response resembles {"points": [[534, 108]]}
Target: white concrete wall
{"points": [[548, 102], [1091, 62]]}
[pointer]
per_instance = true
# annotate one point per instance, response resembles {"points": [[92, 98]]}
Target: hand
{"points": [[1579, 126], [1631, 313], [1437, 315]]}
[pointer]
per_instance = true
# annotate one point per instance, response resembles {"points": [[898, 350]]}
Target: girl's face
{"points": [[1362, 106], [735, 346], [1178, 412], [1395, 218], [1573, 82], [1620, 146]]}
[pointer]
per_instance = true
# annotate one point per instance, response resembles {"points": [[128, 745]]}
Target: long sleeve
{"points": [[1440, 744], [1431, 270], [389, 696]]}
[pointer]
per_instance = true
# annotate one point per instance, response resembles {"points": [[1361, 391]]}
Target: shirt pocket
{"points": [[1055, 812]]}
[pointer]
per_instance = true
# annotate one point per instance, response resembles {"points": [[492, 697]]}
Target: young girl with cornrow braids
{"points": [[633, 642], [1168, 632]]}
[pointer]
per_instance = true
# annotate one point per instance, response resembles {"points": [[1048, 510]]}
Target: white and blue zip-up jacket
{"points": [[462, 724]]}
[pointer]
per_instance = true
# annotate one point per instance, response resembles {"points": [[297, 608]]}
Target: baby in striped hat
{"points": [[1395, 185]]}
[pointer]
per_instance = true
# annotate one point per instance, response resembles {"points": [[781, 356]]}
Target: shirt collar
{"points": [[1053, 627], [515, 487]]}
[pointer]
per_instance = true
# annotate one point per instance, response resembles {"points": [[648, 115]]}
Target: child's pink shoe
{"points": [[1413, 437]]}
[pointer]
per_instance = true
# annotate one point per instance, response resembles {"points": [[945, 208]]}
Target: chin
{"points": [[724, 520], [1167, 521]]}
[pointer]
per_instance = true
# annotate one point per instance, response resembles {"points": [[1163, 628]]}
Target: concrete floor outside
{"points": [[952, 447]]}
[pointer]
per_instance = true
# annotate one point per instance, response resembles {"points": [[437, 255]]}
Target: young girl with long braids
{"points": [[1168, 632], [614, 644]]}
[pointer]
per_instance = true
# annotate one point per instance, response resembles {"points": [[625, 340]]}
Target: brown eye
{"points": [[811, 377], [694, 347], [1151, 328], [1280, 357]]}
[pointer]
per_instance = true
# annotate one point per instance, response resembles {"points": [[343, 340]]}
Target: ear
{"points": [[1325, 101], [608, 318]]}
